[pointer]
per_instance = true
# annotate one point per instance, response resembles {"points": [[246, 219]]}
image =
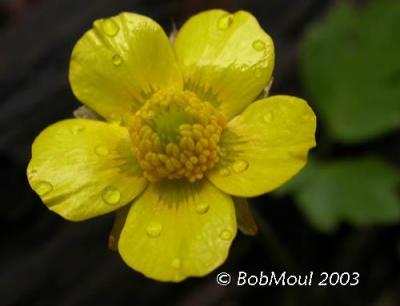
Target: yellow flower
{"points": [[182, 141]]}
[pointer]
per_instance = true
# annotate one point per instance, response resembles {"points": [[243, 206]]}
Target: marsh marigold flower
{"points": [[184, 135]]}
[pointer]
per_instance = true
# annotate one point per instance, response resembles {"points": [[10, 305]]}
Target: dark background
{"points": [[45, 260]]}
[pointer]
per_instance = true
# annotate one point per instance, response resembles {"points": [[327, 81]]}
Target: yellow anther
{"points": [[206, 152], [204, 142], [169, 165], [187, 150], [188, 153], [186, 133], [148, 145], [187, 143], [163, 158], [197, 134], [185, 126], [194, 160], [202, 159], [155, 160], [168, 148], [182, 157], [148, 157], [146, 165], [189, 165], [198, 127], [176, 163], [175, 150], [199, 148], [210, 128], [203, 119], [199, 176]]}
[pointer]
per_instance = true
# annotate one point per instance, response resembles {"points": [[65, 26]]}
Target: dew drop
{"points": [[226, 235], [76, 129], [110, 27], [43, 188], [31, 173], [202, 208], [154, 230], [115, 119], [176, 263], [102, 151], [225, 22], [258, 45], [224, 172], [116, 60], [240, 166], [111, 195], [268, 117]]}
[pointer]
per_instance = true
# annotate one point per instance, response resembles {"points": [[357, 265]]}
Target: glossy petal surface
{"points": [[84, 168], [119, 63], [177, 229], [264, 146], [226, 59]]}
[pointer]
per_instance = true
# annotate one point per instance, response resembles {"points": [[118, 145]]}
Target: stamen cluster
{"points": [[176, 135]]}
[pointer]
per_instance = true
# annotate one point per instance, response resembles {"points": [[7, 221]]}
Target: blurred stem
{"points": [[272, 245]]}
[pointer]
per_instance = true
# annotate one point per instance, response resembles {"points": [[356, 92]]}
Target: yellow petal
{"points": [[117, 64], [84, 168], [177, 229], [226, 59], [264, 146], [244, 216]]}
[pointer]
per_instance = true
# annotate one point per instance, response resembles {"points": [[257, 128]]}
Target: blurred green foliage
{"points": [[350, 69], [360, 191]]}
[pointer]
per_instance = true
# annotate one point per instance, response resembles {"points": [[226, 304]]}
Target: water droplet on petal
{"points": [[176, 263], [116, 60], [76, 129], [111, 195], [31, 173], [258, 45], [110, 27], [240, 166], [224, 172], [43, 188], [102, 150], [226, 235], [115, 119], [154, 230], [268, 117], [225, 22], [202, 208]]}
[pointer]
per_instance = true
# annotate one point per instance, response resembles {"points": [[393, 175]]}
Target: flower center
{"points": [[176, 135]]}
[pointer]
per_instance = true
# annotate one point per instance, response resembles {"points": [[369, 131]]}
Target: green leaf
{"points": [[358, 191], [351, 70]]}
